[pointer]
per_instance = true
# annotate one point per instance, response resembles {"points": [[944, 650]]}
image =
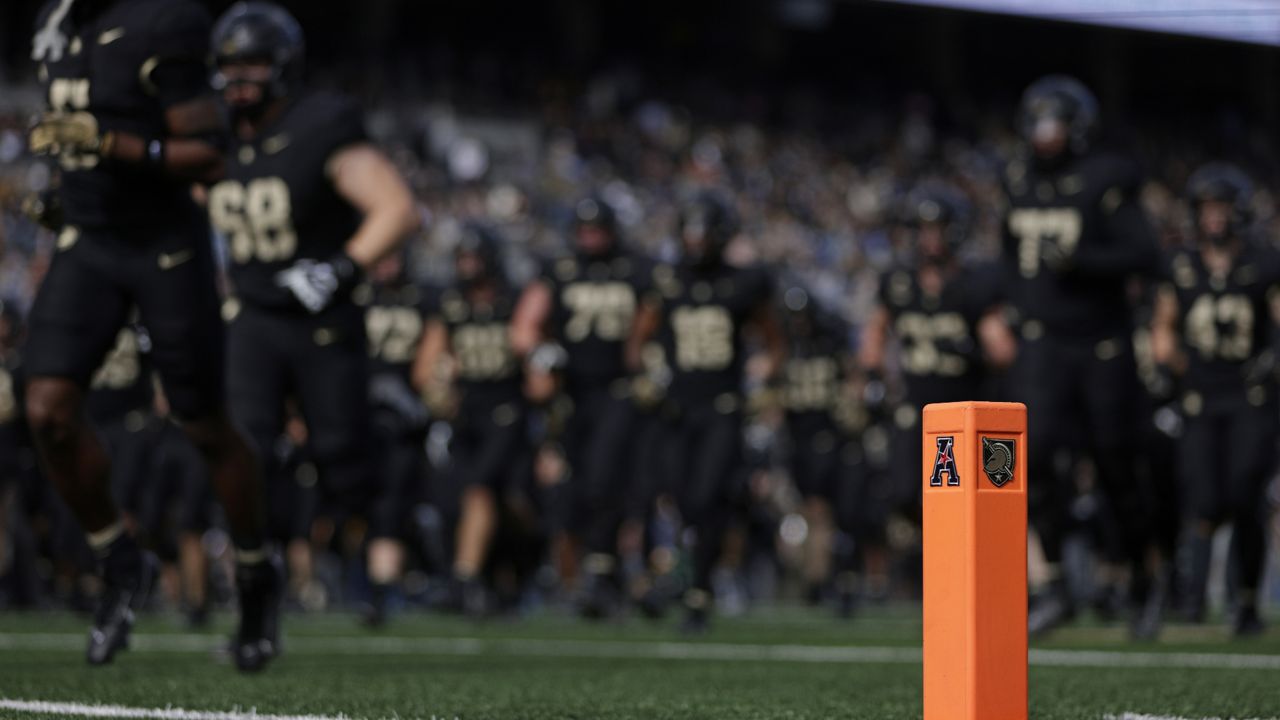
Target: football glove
{"points": [[77, 132], [315, 284], [45, 209], [548, 357], [392, 392], [1055, 257]]}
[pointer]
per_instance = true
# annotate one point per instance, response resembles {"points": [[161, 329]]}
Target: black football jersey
{"points": [[277, 204], [11, 410], [704, 314], [488, 372], [1072, 238], [14, 438], [124, 62], [1224, 322], [814, 373], [593, 303], [394, 324], [122, 384], [937, 334]]}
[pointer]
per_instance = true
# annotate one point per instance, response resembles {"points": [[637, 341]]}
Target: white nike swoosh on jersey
{"points": [[275, 144], [109, 36], [168, 261]]}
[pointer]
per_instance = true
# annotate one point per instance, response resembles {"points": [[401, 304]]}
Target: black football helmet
{"points": [[1064, 99], [480, 240], [1225, 183], [706, 226], [255, 31], [593, 210], [938, 203]]}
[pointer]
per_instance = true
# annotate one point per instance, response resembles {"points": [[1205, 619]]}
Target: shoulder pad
{"points": [[1183, 271], [565, 269]]}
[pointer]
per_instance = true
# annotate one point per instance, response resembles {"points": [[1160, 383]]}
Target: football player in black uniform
{"points": [[816, 395], [1074, 234], [307, 204], [394, 322], [473, 379], [585, 303], [704, 309], [1214, 325], [945, 317], [132, 124]]}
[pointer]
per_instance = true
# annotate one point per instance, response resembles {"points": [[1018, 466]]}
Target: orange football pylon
{"points": [[975, 561]]}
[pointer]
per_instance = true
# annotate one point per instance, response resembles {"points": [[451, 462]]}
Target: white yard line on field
{"points": [[1144, 716], [40, 707], [367, 645]]}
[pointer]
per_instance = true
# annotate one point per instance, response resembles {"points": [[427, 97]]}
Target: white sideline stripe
{"points": [[1144, 716], [40, 707], [364, 645]]}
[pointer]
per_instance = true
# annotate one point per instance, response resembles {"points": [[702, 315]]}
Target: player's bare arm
{"points": [[368, 180], [999, 346], [643, 328], [765, 322], [1164, 331], [875, 335], [530, 320]]}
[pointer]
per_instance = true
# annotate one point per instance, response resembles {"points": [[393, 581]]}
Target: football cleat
{"points": [[261, 589], [697, 613], [600, 596], [1050, 610], [1247, 622], [129, 575]]}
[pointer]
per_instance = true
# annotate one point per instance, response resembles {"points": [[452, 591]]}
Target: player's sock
{"points": [[260, 584], [127, 575], [1199, 549]]}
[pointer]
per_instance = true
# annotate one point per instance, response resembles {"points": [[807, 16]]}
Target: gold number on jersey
{"points": [[704, 337], [256, 218], [483, 352], [1033, 226], [393, 333], [122, 366], [921, 336], [811, 383], [71, 95], [1205, 323], [603, 308], [8, 399]]}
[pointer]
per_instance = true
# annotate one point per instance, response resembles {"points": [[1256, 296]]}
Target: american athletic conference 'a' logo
{"points": [[945, 462]]}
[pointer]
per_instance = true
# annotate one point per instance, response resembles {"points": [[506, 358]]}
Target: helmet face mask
{"points": [[936, 217], [1220, 196], [932, 245], [246, 85], [258, 50], [477, 256], [1058, 116], [706, 226], [595, 227]]}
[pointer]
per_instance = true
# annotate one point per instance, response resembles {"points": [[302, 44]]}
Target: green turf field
{"points": [[773, 664]]}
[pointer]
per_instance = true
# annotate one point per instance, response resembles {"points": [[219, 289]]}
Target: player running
{"points": [[131, 123], [1214, 326], [585, 303], [307, 205], [703, 310], [1074, 234]]}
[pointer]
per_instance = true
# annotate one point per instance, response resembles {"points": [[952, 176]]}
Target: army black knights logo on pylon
{"points": [[997, 460]]}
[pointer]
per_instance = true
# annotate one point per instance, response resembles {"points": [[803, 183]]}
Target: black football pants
{"points": [[1082, 396], [321, 362]]}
